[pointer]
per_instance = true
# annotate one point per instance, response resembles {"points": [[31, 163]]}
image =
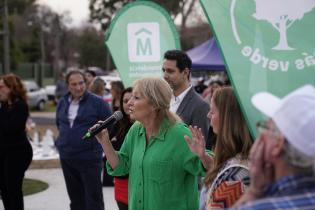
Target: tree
{"points": [[18, 6], [102, 11], [90, 46], [15, 8], [282, 14], [51, 31], [185, 9]]}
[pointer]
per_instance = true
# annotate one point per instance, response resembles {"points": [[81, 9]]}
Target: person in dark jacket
{"points": [[15, 150], [185, 102], [81, 160], [61, 87]]}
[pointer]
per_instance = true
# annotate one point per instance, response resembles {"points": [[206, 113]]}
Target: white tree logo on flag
{"points": [[281, 14]]}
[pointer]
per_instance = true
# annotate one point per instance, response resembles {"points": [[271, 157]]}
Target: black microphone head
{"points": [[118, 115]]}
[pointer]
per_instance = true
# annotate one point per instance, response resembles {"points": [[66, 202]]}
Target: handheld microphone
{"points": [[112, 119]]}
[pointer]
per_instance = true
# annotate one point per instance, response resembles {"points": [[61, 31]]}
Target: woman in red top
{"points": [[121, 129]]}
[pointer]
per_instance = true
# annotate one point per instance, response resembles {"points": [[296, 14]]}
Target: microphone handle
{"points": [[105, 124]]}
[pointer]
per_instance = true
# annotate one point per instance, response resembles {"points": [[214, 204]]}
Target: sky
{"points": [[79, 9]]}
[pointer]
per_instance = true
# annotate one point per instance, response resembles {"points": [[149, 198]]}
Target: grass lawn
{"points": [[31, 186], [50, 107]]}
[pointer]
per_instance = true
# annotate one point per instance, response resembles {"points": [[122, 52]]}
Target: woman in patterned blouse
{"points": [[228, 175]]}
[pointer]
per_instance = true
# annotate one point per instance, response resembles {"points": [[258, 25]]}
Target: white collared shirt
{"points": [[73, 110], [176, 101]]}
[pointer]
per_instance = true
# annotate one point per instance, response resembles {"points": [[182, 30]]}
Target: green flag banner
{"points": [[267, 45], [138, 36]]}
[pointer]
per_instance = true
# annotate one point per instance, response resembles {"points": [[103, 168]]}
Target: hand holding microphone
{"points": [[102, 125]]}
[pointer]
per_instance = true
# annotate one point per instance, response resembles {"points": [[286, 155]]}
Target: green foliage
{"points": [[101, 11], [50, 107], [17, 55], [18, 6], [31, 49], [91, 48]]}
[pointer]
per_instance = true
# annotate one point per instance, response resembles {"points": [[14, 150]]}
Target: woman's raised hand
{"points": [[103, 138], [197, 144]]}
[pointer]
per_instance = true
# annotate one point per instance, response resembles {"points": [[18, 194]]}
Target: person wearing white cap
{"points": [[282, 160]]}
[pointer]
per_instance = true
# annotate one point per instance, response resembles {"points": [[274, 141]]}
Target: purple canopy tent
{"points": [[206, 56]]}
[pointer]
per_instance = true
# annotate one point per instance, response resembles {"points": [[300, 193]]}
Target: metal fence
{"points": [[42, 74]]}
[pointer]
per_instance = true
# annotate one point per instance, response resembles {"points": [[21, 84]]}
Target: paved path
{"points": [[55, 197], [43, 118]]}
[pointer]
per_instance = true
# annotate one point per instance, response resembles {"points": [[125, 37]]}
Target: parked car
{"points": [[37, 97], [107, 79], [50, 91]]}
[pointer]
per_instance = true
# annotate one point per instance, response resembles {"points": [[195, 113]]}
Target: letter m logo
{"points": [[143, 42], [144, 48]]}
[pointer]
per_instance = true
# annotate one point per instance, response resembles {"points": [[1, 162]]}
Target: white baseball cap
{"points": [[294, 115]]}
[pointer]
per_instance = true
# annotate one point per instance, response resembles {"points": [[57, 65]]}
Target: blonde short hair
{"points": [[159, 94]]}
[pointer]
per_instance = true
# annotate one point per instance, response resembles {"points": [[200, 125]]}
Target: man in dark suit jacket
{"points": [[186, 102]]}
